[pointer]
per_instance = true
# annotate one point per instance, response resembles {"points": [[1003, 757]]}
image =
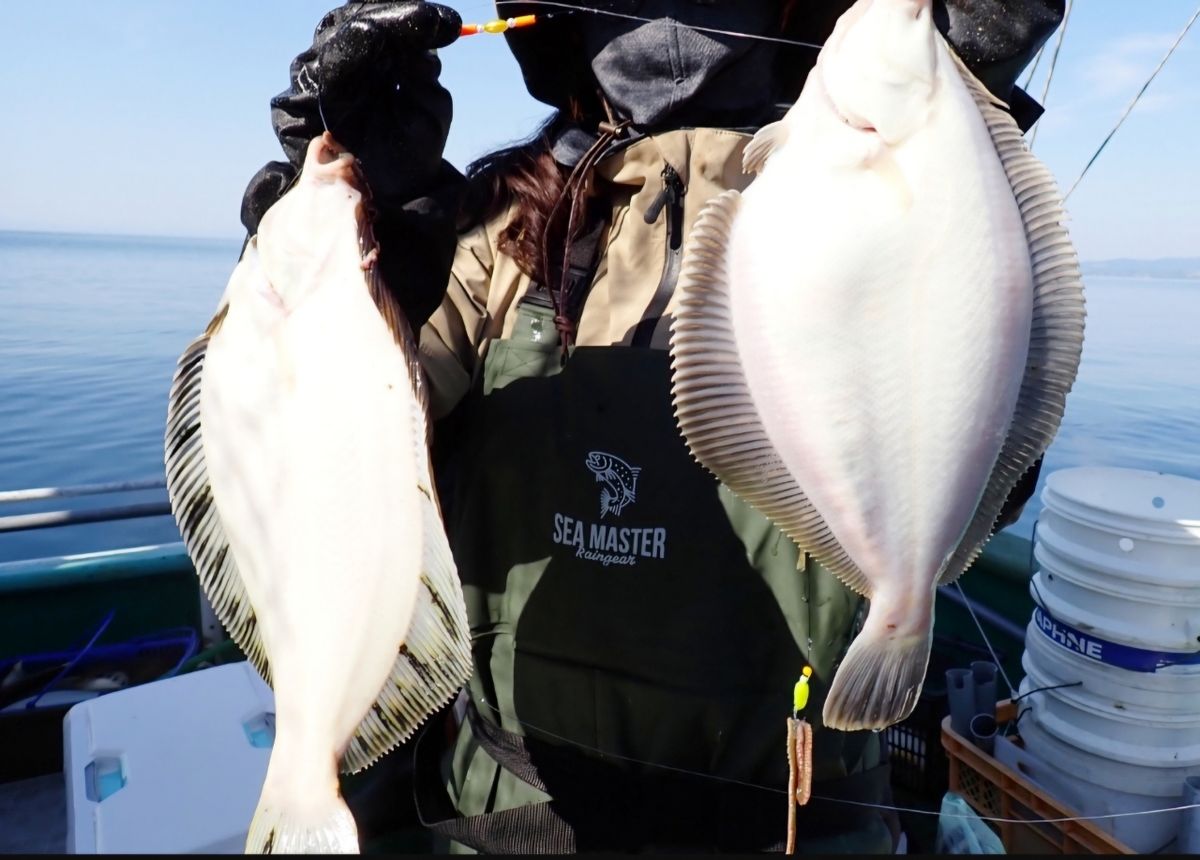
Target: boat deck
{"points": [[33, 816]]}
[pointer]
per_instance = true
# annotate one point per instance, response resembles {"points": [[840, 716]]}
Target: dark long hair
{"points": [[527, 177], [551, 206]]}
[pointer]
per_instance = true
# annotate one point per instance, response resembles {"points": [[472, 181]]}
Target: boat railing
{"points": [[108, 513]]}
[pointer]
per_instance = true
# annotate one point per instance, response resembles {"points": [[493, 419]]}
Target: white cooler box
{"points": [[171, 767]]}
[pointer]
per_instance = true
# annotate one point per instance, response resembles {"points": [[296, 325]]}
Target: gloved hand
{"points": [[371, 79], [997, 39], [378, 91]]}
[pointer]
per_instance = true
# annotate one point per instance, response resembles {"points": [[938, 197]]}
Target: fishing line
{"points": [[1181, 808], [1017, 722], [606, 754], [881, 806], [1062, 32], [1136, 99], [610, 13], [1044, 689], [1037, 60], [986, 640]]}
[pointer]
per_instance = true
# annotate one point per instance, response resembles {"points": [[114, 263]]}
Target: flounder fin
{"points": [[192, 504], [434, 662], [713, 406], [768, 139], [1056, 337]]}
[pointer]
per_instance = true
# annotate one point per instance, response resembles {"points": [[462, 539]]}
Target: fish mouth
{"points": [[848, 118], [865, 129], [857, 123], [329, 161]]}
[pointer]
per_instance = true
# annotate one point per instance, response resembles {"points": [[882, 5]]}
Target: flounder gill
{"points": [[298, 471], [875, 341]]}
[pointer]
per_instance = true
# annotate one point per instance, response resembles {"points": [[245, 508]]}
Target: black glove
{"points": [[1019, 496], [997, 39], [371, 79], [379, 95]]}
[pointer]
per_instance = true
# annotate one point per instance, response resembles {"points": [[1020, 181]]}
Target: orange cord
{"points": [[500, 25]]}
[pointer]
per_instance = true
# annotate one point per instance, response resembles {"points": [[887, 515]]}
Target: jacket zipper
{"points": [[671, 193], [671, 199]]}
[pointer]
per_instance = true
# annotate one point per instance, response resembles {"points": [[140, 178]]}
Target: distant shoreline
{"points": [[1166, 268], [1142, 277]]}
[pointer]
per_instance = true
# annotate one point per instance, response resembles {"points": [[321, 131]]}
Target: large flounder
{"points": [[876, 340], [298, 471]]}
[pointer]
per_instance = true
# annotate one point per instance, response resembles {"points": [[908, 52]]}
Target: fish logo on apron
{"points": [[619, 480]]}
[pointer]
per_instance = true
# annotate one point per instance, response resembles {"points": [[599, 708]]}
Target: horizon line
{"points": [[102, 235], [231, 238]]}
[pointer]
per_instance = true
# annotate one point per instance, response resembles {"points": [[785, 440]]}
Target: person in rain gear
{"points": [[637, 629]]}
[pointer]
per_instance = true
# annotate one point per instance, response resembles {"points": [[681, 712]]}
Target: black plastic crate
{"points": [[920, 767], [919, 763]]}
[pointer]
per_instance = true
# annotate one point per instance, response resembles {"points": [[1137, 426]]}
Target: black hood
{"points": [[662, 76]]}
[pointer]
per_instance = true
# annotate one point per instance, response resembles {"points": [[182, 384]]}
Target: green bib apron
{"points": [[637, 629]]}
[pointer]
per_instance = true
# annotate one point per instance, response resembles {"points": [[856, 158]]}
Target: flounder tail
{"points": [[300, 810], [317, 826], [879, 681]]}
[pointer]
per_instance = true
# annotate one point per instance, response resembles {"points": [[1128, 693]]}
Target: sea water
{"points": [[91, 328]]}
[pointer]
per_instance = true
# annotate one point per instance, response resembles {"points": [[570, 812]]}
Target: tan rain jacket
{"points": [[485, 284]]}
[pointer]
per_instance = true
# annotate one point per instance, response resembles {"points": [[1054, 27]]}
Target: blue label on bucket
{"points": [[1109, 653]]}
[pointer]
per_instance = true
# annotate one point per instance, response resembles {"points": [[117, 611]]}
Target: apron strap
{"points": [[534, 829], [581, 268]]}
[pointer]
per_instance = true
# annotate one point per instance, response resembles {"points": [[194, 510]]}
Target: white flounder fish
{"points": [[876, 339], [298, 471]]}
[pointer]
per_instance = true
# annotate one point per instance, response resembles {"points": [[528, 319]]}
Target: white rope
{"points": [[1018, 820], [883, 806]]}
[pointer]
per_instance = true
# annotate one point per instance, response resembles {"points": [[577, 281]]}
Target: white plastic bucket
{"points": [[1152, 617], [1099, 787], [1119, 553], [1118, 620], [1101, 719], [1170, 691], [1159, 507]]}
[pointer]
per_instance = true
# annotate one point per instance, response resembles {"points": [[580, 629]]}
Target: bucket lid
{"points": [[1104, 496]]}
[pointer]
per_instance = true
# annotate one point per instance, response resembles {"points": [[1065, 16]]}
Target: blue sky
{"points": [[145, 116]]}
